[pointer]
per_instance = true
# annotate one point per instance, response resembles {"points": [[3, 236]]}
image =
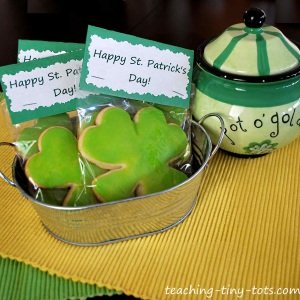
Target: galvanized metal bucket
{"points": [[125, 219]]}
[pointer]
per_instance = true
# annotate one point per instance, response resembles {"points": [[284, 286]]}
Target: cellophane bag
{"points": [[108, 149]]}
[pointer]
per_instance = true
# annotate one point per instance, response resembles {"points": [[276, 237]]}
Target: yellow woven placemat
{"points": [[243, 235]]}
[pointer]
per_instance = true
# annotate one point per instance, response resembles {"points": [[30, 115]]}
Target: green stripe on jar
{"points": [[219, 61], [294, 52], [263, 66], [249, 94]]}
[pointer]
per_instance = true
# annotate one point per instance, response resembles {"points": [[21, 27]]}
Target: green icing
{"points": [[137, 152], [83, 194], [57, 163], [27, 141], [79, 194], [64, 177]]}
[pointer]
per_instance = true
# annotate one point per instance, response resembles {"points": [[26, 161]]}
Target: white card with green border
{"points": [[34, 49], [126, 66], [43, 87]]}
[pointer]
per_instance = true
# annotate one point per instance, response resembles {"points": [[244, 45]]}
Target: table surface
{"points": [[182, 23]]}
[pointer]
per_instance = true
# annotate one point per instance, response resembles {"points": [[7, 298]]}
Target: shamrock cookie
{"points": [[137, 152], [58, 165], [83, 194], [27, 142]]}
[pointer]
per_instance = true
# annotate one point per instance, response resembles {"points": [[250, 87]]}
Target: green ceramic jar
{"points": [[250, 75]]}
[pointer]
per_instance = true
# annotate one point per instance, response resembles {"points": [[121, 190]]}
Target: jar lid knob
{"points": [[254, 17]]}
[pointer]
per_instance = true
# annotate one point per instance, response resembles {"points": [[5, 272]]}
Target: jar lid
{"points": [[252, 48]]}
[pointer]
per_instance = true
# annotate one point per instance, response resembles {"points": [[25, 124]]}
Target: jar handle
{"points": [[222, 133], [2, 175]]}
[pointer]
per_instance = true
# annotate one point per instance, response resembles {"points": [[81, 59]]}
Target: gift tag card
{"points": [[127, 66], [42, 87], [30, 49]]}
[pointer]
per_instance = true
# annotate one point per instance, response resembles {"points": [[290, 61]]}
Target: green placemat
{"points": [[19, 281]]}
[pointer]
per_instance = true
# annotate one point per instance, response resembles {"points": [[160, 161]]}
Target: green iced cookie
{"points": [[137, 152], [83, 194], [58, 165], [27, 141]]}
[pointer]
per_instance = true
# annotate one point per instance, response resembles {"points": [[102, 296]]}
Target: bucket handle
{"points": [[222, 133], [2, 175]]}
